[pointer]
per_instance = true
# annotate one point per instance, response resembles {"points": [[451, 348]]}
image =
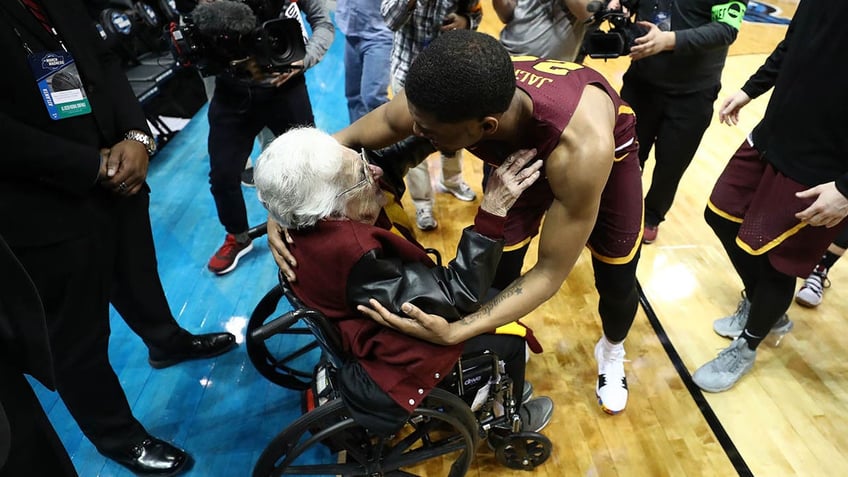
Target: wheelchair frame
{"points": [[444, 425]]}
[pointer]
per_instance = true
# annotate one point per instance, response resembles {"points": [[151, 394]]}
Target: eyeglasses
{"points": [[366, 180]]}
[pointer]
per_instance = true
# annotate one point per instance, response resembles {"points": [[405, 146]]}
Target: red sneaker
{"points": [[227, 257], [650, 233]]}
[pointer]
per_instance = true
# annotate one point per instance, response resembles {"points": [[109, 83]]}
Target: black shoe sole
{"points": [[165, 363]]}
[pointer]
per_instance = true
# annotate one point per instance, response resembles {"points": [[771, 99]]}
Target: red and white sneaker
{"points": [[227, 257]]}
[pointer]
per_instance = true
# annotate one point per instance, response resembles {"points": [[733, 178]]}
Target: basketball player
{"points": [[463, 91]]}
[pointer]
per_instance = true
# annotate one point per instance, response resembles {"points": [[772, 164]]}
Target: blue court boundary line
{"points": [[697, 395]]}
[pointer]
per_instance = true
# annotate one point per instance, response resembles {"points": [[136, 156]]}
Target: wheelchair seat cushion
{"points": [[369, 405]]}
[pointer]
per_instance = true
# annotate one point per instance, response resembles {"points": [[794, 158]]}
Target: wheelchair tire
{"points": [[523, 450], [293, 370], [439, 428]]}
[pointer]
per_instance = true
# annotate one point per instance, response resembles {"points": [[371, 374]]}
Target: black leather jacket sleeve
{"points": [[451, 292]]}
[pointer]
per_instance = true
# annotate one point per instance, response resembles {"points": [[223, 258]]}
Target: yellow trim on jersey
{"points": [[510, 248], [625, 109], [774, 243], [722, 213]]}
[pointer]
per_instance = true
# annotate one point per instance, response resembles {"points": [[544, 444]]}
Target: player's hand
{"points": [[424, 326], [729, 112], [828, 208]]}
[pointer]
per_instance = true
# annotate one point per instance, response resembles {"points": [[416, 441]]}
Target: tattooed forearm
{"points": [[515, 288]]}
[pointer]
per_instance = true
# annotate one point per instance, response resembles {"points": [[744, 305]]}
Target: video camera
{"points": [[617, 40], [228, 36]]}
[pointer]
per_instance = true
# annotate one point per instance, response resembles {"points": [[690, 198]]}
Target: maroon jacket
{"points": [[342, 263]]}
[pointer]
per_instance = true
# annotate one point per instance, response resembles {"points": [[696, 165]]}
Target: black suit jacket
{"points": [[48, 168]]}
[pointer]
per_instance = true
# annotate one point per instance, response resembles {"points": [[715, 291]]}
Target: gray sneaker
{"points": [[727, 368], [536, 414], [460, 190], [424, 219], [732, 326]]}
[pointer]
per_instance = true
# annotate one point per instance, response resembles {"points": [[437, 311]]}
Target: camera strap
{"points": [[293, 11]]}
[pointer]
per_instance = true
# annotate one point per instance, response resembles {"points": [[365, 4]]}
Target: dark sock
{"points": [[752, 340], [828, 260]]}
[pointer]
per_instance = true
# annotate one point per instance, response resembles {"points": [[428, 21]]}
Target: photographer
{"points": [[246, 100], [551, 29], [672, 82]]}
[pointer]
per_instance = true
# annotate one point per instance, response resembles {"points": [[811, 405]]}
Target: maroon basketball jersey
{"points": [[555, 87]]}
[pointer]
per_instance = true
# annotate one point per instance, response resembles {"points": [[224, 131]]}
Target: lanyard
{"points": [[41, 17]]}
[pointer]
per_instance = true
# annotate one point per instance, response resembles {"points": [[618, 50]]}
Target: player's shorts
{"points": [[617, 234], [754, 194]]}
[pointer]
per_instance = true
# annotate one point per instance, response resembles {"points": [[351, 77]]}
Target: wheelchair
{"points": [[300, 349]]}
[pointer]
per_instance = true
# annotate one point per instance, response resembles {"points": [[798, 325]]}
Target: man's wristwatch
{"points": [[145, 139]]}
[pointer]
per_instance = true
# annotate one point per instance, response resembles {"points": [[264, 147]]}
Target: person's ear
{"points": [[489, 125]]}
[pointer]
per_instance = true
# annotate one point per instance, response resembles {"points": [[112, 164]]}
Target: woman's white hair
{"points": [[297, 177]]}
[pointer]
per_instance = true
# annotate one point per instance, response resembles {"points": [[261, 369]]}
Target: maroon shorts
{"points": [[754, 194], [618, 229]]}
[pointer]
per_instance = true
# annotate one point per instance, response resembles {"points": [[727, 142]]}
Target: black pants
{"points": [[28, 443], [672, 124], [73, 280], [236, 115], [616, 286], [136, 291], [769, 291]]}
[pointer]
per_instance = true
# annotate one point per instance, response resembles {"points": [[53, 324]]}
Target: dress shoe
{"points": [[198, 347], [152, 457]]}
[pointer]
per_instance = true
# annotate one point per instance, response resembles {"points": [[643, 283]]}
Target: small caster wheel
{"points": [[523, 450]]}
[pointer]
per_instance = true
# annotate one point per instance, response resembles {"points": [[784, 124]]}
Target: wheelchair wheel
{"points": [[288, 357], [311, 444], [523, 450]]}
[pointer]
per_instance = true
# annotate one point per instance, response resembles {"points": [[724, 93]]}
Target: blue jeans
{"points": [[367, 63]]}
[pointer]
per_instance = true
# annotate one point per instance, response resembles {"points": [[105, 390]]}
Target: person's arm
{"points": [[396, 12], [720, 32], [318, 15], [504, 9], [580, 9], [577, 170], [381, 127], [760, 82]]}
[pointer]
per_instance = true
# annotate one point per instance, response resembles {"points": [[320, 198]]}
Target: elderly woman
{"points": [[350, 244]]}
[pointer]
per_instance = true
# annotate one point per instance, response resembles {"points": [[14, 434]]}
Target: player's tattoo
{"points": [[515, 288]]}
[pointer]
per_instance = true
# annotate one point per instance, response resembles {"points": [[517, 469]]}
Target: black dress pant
{"points": [[73, 279], [136, 291], [237, 113], [28, 443], [673, 124]]}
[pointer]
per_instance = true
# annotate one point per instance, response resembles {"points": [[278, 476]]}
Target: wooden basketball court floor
{"points": [[787, 417]]}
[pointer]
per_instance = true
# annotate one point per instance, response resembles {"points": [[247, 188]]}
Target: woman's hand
{"points": [[509, 180]]}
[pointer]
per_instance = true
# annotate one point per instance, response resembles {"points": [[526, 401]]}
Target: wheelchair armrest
{"points": [[278, 325]]}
